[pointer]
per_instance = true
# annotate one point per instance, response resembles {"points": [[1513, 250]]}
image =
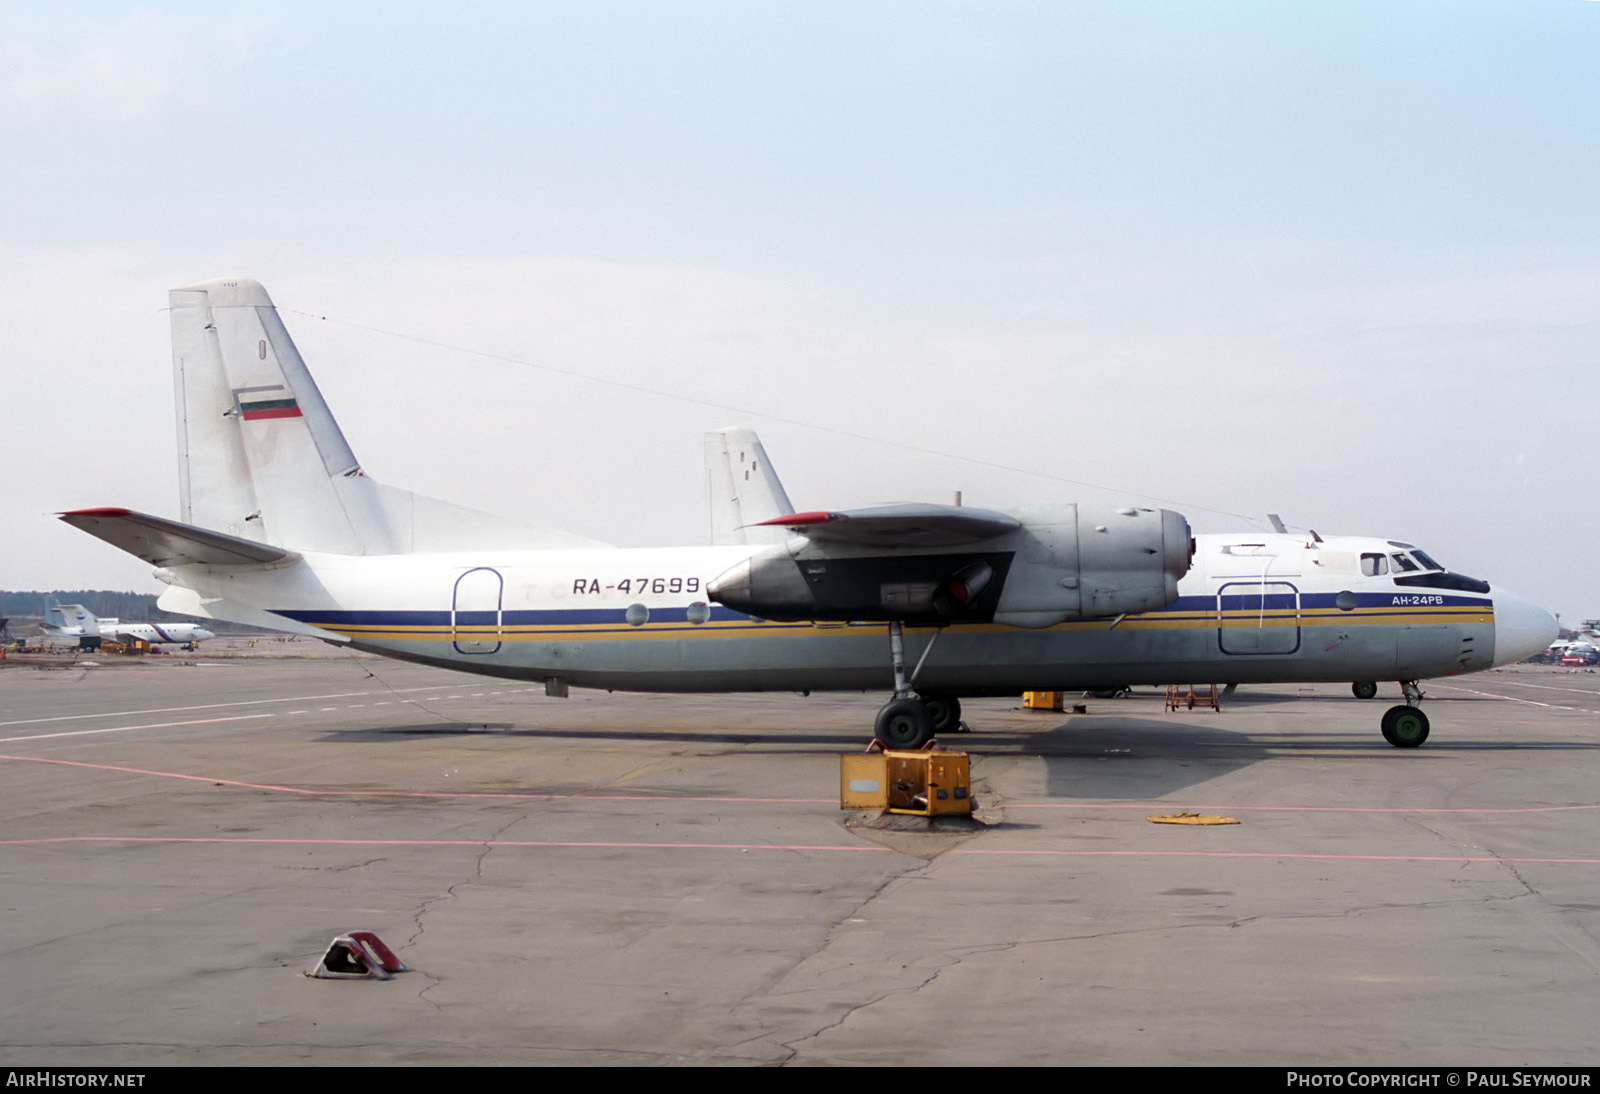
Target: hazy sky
{"points": [[1339, 261]]}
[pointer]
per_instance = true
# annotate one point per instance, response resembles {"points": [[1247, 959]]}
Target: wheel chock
{"points": [[1191, 818], [359, 955]]}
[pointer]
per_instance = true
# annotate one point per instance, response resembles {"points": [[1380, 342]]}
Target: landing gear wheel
{"points": [[1364, 689], [946, 712], [1405, 727], [1106, 693], [904, 723]]}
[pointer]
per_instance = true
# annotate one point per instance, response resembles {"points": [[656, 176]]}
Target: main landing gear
{"points": [[1406, 726], [908, 721]]}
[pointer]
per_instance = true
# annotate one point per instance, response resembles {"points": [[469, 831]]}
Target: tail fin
{"points": [[261, 458], [744, 489], [259, 454], [69, 618], [54, 618], [79, 616]]}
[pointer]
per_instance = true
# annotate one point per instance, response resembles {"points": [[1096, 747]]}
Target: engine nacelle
{"points": [[1092, 561], [1071, 562]]}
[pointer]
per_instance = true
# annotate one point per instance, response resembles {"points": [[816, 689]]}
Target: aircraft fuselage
{"points": [[1254, 609]]}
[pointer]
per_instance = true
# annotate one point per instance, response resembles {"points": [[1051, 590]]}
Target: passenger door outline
{"points": [[1258, 618], [475, 604]]}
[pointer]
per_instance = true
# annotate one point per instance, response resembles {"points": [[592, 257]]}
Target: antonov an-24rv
{"points": [[281, 527]]}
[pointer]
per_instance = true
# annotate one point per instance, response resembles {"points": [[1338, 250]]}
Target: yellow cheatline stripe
{"points": [[748, 628]]}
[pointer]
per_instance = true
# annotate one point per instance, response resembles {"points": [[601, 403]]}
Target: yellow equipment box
{"points": [[1042, 700], [928, 784]]}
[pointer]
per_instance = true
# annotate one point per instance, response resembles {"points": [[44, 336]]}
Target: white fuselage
{"points": [[153, 634], [1253, 608], [157, 633]]}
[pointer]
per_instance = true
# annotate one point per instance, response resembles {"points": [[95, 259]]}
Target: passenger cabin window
{"points": [[1374, 565], [1402, 563]]}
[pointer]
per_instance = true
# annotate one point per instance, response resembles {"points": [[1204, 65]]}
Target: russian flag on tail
{"points": [[257, 403]]}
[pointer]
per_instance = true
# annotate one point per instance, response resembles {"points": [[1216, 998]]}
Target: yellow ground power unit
{"points": [[929, 784]]}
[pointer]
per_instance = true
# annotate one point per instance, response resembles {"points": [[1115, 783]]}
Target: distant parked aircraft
{"points": [[76, 621]]}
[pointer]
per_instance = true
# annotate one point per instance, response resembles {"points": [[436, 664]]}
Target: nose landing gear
{"points": [[1406, 726]]}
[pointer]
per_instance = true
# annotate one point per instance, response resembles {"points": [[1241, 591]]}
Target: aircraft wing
{"points": [[163, 542], [915, 525]]}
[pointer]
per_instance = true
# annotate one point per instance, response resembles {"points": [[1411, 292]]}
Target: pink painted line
{"points": [[1299, 808], [1277, 855], [660, 846], [441, 843], [314, 792], [137, 770], [515, 795]]}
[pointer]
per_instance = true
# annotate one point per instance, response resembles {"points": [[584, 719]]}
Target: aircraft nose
{"points": [[1521, 628]]}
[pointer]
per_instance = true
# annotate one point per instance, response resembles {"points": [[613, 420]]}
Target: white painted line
{"points": [[220, 706], [1550, 687], [124, 729], [1514, 699]]}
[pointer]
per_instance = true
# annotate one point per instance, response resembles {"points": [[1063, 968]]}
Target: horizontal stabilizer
{"points": [[184, 601], [163, 542], [900, 526]]}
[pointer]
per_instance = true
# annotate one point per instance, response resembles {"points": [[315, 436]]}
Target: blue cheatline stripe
{"points": [[1397, 599], [544, 617], [1189, 612]]}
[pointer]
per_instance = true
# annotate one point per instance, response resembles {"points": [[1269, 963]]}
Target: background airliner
{"points": [[76, 621]]}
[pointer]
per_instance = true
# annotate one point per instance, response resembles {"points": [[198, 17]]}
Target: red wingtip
{"points": [[814, 517], [108, 511]]}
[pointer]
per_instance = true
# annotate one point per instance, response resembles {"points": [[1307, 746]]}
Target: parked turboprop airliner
{"points": [[281, 527]]}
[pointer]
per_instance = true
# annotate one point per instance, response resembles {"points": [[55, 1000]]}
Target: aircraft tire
{"points": [[1405, 727], [946, 712], [904, 723], [1106, 693], [1364, 689]]}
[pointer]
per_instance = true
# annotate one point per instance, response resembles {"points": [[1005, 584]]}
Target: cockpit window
{"points": [[1403, 564], [1427, 562], [1374, 565]]}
